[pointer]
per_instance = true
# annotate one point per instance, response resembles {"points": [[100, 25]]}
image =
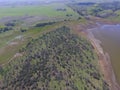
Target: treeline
{"points": [[7, 27], [44, 24], [86, 3], [57, 60], [114, 6], [103, 10]]}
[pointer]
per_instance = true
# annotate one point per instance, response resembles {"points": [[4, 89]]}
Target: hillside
{"points": [[57, 60], [104, 10], [48, 45]]}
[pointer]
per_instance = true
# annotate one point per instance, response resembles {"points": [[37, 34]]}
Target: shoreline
{"points": [[104, 62]]}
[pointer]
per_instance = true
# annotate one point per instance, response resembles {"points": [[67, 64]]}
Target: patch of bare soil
{"points": [[13, 43]]}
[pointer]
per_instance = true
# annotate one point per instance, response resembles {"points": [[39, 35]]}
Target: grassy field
{"points": [[43, 10], [7, 51], [50, 11]]}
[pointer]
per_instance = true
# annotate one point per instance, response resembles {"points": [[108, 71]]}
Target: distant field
{"points": [[52, 10], [43, 10]]}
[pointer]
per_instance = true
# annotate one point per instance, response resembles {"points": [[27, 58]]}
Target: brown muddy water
{"points": [[109, 35]]}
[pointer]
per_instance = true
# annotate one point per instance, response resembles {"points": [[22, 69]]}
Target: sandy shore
{"points": [[104, 62]]}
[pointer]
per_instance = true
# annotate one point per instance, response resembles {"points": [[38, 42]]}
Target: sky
{"points": [[99, 0], [59, 0]]}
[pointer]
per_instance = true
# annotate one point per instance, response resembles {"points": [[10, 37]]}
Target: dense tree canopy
{"points": [[57, 60]]}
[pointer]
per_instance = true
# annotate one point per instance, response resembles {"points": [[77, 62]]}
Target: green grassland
{"points": [[42, 10], [7, 50]]}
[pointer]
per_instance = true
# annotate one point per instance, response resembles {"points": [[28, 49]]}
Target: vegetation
{"points": [[57, 60], [44, 24], [5, 28], [44, 11], [33, 56], [102, 10]]}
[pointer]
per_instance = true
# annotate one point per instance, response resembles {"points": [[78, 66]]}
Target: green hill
{"points": [[57, 60]]}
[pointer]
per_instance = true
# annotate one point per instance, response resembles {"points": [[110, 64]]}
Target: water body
{"points": [[109, 35]]}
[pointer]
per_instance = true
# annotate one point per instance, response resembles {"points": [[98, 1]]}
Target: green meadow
{"points": [[42, 10], [49, 11]]}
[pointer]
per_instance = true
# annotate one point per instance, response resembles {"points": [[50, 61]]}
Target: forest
{"points": [[57, 60]]}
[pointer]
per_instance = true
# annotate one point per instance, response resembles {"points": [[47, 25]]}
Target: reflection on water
{"points": [[109, 35]]}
